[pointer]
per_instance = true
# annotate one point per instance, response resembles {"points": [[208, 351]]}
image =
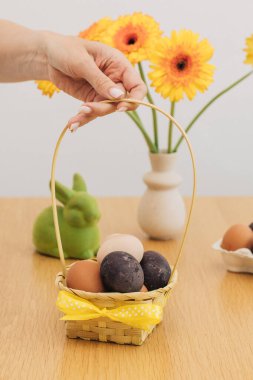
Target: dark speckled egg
{"points": [[121, 272], [156, 270]]}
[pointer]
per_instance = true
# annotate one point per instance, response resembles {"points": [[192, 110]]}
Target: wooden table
{"points": [[207, 331]]}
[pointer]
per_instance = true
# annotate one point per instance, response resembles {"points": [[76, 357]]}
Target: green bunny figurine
{"points": [[78, 220]]}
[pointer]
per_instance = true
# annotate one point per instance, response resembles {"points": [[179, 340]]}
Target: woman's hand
{"points": [[91, 71]]}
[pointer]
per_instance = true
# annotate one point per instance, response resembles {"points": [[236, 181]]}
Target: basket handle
{"points": [[53, 196]]}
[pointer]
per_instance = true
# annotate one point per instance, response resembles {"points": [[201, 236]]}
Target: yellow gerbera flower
{"points": [[134, 35], [47, 88], [97, 29], [179, 65], [249, 50]]}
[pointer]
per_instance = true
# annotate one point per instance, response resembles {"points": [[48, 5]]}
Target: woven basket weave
{"points": [[104, 329]]}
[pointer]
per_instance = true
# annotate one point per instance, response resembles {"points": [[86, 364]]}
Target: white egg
{"points": [[121, 242]]}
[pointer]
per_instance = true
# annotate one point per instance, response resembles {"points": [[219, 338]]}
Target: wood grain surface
{"points": [[207, 331]]}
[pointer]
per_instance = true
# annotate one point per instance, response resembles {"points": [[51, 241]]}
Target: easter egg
{"points": [[123, 243], [121, 272], [236, 237], [85, 275], [156, 270]]}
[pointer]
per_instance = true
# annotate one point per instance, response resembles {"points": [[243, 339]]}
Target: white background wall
{"points": [[110, 152]]}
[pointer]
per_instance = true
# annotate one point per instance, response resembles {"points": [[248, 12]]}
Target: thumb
{"points": [[103, 85]]}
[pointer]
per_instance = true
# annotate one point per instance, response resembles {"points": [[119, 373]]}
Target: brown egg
{"points": [[85, 275], [144, 289], [236, 237]]}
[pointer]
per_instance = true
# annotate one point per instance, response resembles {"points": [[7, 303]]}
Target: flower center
{"points": [[181, 64], [132, 39]]}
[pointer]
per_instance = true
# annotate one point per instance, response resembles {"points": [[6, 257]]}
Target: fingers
{"points": [[135, 86], [101, 83], [116, 67], [97, 109], [89, 112], [77, 88]]}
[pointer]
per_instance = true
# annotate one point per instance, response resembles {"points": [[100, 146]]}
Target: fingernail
{"points": [[116, 92], [85, 109], [122, 109], [74, 127]]}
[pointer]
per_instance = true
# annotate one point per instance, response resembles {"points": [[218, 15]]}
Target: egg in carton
{"points": [[239, 261]]}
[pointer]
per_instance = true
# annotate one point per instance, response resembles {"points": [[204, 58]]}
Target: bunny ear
{"points": [[78, 183], [63, 194]]}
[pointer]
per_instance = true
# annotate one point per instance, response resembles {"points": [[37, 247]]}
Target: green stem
{"points": [[135, 113], [136, 119], [172, 112], [150, 99], [208, 105]]}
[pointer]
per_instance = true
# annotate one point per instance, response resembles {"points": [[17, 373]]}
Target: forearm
{"points": [[21, 53]]}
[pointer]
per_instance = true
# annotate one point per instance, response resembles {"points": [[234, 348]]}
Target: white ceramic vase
{"points": [[161, 212]]}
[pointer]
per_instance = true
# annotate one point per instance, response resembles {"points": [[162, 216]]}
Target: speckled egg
{"points": [[121, 272], [236, 237], [121, 242], [156, 270], [85, 275]]}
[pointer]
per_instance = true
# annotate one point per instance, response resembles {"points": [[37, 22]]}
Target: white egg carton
{"points": [[236, 261]]}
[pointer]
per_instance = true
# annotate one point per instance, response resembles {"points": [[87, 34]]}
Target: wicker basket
{"points": [[105, 329]]}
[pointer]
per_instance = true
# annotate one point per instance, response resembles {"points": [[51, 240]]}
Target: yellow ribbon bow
{"points": [[141, 316]]}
